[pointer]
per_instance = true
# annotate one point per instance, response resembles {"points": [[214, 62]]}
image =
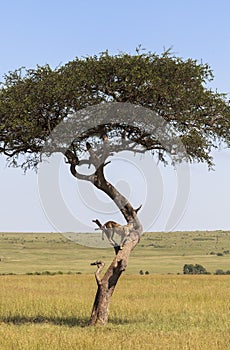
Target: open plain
{"points": [[47, 290]]}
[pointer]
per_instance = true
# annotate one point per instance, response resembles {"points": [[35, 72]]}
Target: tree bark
{"points": [[106, 285]]}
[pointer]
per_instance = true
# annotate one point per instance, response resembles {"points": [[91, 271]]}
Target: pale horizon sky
{"points": [[54, 32]]}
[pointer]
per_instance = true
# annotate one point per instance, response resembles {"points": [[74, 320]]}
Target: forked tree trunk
{"points": [[107, 284]]}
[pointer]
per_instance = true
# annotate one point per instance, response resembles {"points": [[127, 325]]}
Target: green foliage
{"points": [[219, 272], [34, 101], [50, 273], [190, 269], [222, 272]]}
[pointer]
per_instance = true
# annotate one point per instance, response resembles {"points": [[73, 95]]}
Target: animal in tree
{"points": [[35, 102]]}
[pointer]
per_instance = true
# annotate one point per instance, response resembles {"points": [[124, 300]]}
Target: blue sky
{"points": [[54, 32]]}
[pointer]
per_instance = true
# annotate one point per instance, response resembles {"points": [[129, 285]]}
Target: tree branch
{"points": [[98, 179], [100, 265], [93, 158], [136, 210], [74, 161], [122, 203], [106, 147]]}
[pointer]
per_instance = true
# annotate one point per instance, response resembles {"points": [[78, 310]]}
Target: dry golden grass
{"points": [[147, 312]]}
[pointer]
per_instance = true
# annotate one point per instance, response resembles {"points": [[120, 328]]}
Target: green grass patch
{"points": [[157, 253]]}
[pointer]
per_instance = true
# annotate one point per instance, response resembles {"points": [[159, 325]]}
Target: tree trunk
{"points": [[107, 284]]}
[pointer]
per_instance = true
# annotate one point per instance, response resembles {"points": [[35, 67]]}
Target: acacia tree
{"points": [[33, 102]]}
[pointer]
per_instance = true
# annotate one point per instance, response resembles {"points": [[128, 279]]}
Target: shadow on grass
{"points": [[58, 321], [121, 321]]}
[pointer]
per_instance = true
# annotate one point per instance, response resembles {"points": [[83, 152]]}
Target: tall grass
{"points": [[147, 312]]}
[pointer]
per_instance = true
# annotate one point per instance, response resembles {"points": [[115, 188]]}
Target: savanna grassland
{"points": [[161, 310], [158, 252], [147, 312]]}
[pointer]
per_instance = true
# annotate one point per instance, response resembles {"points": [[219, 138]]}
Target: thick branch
{"points": [[122, 203], [74, 161], [98, 179]]}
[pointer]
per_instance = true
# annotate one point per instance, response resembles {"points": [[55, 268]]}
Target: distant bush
{"points": [[51, 273], [219, 272], [222, 272], [190, 269], [220, 254], [46, 273], [141, 272]]}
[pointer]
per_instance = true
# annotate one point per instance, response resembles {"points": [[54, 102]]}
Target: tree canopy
{"points": [[41, 110], [34, 101]]}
